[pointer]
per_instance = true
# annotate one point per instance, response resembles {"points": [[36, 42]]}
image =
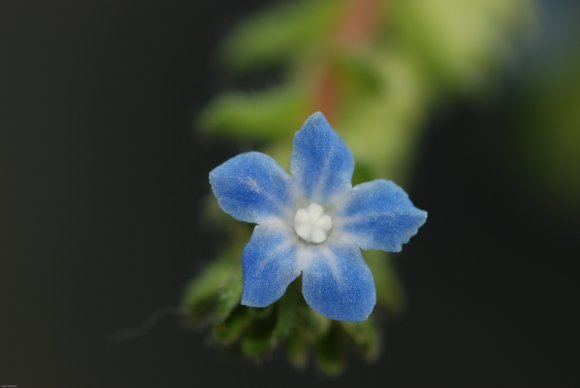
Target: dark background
{"points": [[102, 179]]}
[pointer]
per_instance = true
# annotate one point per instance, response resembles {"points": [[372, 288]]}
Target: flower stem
{"points": [[358, 26]]}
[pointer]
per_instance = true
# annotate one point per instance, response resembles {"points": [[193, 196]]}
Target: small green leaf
{"points": [[260, 312], [390, 295], [257, 341], [362, 173], [232, 328], [286, 314], [281, 34], [313, 324], [329, 351], [230, 297], [297, 348], [365, 337], [204, 291], [360, 74], [263, 115]]}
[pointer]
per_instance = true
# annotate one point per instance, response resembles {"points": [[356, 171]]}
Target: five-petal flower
{"points": [[313, 222]]}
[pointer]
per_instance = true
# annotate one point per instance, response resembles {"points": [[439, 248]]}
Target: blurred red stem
{"points": [[356, 28]]}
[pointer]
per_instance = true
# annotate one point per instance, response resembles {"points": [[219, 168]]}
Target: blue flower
{"points": [[313, 222]]}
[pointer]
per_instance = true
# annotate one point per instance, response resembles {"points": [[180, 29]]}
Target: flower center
{"points": [[312, 224]]}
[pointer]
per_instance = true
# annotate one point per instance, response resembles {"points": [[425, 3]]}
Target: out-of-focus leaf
{"points": [[260, 116], [359, 74], [260, 312], [329, 352], [286, 314], [258, 339], [362, 173], [390, 294], [297, 348], [202, 295], [458, 52], [312, 322], [281, 34], [549, 110], [232, 328], [365, 336], [390, 118], [229, 297]]}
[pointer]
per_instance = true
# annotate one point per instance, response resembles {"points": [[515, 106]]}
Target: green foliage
{"points": [[280, 35], [329, 351], [421, 52], [376, 92], [390, 294], [214, 299], [365, 336], [211, 296], [457, 43], [549, 148], [263, 115]]}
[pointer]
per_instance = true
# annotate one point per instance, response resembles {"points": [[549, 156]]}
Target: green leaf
{"points": [[312, 323], [547, 134], [362, 173], [390, 295], [381, 128], [258, 340], [365, 337], [260, 116], [297, 348], [229, 297], [286, 314], [231, 329], [459, 43], [203, 293], [359, 74], [329, 351], [280, 34]]}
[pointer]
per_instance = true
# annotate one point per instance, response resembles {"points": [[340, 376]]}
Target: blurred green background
{"points": [[113, 113]]}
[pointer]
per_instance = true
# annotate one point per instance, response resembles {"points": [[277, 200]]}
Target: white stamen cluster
{"points": [[312, 224]]}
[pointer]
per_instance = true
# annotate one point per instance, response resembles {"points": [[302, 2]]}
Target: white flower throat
{"points": [[312, 224]]}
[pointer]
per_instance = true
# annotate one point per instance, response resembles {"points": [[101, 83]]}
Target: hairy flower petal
{"points": [[269, 266], [337, 282], [251, 187], [322, 164], [379, 215]]}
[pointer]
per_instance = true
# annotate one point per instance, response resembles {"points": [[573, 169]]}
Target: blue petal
{"points": [[251, 187], [321, 161], [380, 215], [337, 283], [269, 266]]}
